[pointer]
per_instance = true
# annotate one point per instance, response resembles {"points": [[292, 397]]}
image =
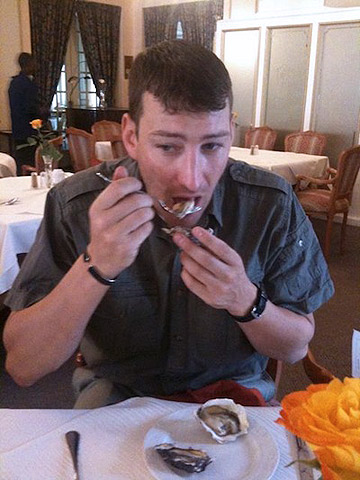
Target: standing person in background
{"points": [[24, 107]]}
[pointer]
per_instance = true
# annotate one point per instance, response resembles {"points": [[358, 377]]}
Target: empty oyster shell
{"points": [[224, 419], [188, 459]]}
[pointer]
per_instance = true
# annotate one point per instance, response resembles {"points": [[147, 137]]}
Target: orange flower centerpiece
{"points": [[42, 141], [327, 417]]}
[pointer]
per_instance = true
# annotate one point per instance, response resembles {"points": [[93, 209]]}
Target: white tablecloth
{"points": [[103, 151], [18, 224], [285, 164], [32, 443], [7, 166]]}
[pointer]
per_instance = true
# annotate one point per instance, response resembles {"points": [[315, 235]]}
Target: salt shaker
{"points": [[252, 148], [34, 180], [42, 179]]}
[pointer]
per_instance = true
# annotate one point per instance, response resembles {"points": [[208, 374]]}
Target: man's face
{"points": [[181, 156], [29, 69]]}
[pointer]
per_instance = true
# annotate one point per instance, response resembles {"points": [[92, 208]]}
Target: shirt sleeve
{"points": [[297, 277]]}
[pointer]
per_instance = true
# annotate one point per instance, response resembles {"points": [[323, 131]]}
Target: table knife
{"points": [[72, 439]]}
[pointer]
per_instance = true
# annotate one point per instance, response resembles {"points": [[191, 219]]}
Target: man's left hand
{"points": [[215, 272]]}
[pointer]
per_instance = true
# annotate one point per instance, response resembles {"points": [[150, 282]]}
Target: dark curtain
{"points": [[100, 33], [160, 24], [198, 21], [48, 47]]}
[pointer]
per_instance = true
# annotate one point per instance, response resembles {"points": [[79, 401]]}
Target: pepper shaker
{"points": [[34, 180]]}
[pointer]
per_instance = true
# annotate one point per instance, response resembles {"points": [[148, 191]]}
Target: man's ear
{"points": [[129, 136]]}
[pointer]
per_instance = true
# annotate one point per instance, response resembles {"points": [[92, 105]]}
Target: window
{"points": [[59, 103], [87, 90], [82, 88], [179, 31]]}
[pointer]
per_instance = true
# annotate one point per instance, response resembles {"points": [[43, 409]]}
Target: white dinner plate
{"points": [[252, 456]]}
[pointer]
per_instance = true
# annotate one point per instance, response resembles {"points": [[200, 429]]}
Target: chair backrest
{"points": [[104, 130], [347, 171], [81, 148], [315, 372], [39, 162], [117, 147], [309, 142], [264, 137], [7, 166]]}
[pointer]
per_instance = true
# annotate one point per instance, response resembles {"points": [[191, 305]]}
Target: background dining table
{"points": [[116, 442], [19, 223], [285, 164]]}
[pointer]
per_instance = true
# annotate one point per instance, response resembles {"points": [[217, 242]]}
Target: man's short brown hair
{"points": [[183, 76]]}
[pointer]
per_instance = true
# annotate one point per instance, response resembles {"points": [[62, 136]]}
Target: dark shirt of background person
{"points": [[24, 107]]}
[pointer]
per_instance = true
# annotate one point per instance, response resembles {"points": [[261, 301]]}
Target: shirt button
{"points": [[178, 338], [301, 243]]}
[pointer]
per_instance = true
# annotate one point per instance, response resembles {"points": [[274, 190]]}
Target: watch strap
{"points": [[95, 272], [256, 310]]}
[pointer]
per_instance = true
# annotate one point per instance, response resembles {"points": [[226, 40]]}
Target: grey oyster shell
{"points": [[188, 459], [224, 419]]}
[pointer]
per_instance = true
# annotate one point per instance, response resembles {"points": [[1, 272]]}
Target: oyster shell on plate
{"points": [[188, 459], [224, 419]]}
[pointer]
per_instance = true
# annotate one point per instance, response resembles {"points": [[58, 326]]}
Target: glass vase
{"points": [[48, 167]]}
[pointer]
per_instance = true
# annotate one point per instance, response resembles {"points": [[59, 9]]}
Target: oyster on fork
{"points": [[181, 209]]}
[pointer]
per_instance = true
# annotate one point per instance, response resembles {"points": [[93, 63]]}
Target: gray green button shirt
{"points": [[150, 333]]}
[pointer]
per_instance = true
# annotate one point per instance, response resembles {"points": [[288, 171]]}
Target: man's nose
{"points": [[190, 171]]}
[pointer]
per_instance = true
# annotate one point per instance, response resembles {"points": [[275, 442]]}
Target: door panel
{"points": [[241, 49], [337, 87], [285, 86]]}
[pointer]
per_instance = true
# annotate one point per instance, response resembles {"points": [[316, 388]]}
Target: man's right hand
{"points": [[120, 221]]}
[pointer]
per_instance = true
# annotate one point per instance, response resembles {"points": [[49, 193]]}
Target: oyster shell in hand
{"points": [[224, 419], [188, 459]]}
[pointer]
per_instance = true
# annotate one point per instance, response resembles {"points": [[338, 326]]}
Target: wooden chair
{"points": [[117, 147], [315, 372], [334, 196], [105, 130], [264, 137], [81, 148], [309, 142]]}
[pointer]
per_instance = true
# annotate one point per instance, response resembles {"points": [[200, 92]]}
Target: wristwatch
{"points": [[257, 310]]}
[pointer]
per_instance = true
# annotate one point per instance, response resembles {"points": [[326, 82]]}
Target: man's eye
{"points": [[165, 147], [210, 147]]}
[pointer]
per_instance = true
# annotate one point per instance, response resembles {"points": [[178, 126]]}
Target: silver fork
{"points": [[162, 204]]}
